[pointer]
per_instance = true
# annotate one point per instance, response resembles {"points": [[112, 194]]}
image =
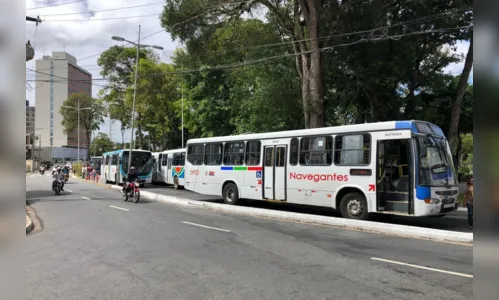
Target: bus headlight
{"points": [[432, 201]]}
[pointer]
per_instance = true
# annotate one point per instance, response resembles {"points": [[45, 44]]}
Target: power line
{"points": [[410, 22], [104, 10], [369, 38], [103, 19], [65, 78], [52, 5]]}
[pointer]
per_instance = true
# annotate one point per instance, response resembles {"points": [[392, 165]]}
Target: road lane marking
{"points": [[125, 209], [86, 198], [204, 226], [69, 191], [422, 267]]}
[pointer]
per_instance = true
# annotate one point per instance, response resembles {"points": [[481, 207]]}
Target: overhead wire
{"points": [[409, 22], [56, 4], [369, 38], [102, 10]]}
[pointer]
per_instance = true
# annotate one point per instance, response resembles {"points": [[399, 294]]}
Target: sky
{"points": [[78, 29]]}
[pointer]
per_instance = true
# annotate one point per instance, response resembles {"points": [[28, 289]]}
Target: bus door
{"points": [[157, 168], [394, 168], [118, 169], [169, 170], [274, 172], [164, 168]]}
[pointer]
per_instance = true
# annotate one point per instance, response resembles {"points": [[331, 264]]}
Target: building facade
{"points": [[30, 127], [62, 77]]}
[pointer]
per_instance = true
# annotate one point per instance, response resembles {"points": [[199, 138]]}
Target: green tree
{"points": [[346, 83], [253, 98], [91, 113], [101, 143], [157, 92], [118, 65]]}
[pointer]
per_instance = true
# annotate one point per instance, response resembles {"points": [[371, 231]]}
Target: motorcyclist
{"points": [[58, 176], [130, 177]]}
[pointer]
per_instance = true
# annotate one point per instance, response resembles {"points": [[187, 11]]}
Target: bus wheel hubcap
{"points": [[230, 194], [354, 207]]}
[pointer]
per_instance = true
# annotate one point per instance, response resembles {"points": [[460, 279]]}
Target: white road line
{"points": [[422, 267], [72, 191], [119, 208], [86, 198], [204, 226]]}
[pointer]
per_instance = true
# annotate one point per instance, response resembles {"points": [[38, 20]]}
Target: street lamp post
{"points": [[138, 46], [182, 92], [78, 109]]}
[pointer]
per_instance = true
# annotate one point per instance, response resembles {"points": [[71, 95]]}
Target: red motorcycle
{"points": [[132, 190]]}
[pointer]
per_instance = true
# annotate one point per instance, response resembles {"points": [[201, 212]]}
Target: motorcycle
{"points": [[57, 186], [42, 171], [66, 178], [132, 190]]}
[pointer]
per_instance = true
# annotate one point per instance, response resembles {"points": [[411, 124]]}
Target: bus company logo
{"points": [[318, 177], [178, 171]]}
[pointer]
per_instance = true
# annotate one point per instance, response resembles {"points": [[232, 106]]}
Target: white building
{"points": [[58, 77]]}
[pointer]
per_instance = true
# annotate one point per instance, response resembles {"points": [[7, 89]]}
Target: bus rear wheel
{"points": [[354, 206], [231, 194]]}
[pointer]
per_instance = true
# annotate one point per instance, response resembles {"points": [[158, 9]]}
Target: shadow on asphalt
{"points": [[455, 221]]}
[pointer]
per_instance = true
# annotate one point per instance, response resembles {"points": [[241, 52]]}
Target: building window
{"points": [[316, 151], [352, 150], [293, 152], [234, 153], [213, 154], [253, 150], [195, 154]]}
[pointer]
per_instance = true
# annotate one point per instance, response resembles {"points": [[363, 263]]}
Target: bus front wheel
{"points": [[354, 206], [231, 194]]}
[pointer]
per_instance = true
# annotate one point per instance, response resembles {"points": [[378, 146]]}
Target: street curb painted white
{"points": [[462, 209], [369, 226], [29, 224]]}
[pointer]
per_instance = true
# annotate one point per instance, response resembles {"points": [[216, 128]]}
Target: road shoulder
{"points": [[33, 223]]}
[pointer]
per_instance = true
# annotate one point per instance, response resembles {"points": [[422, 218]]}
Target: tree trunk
{"points": [[456, 106], [312, 68]]}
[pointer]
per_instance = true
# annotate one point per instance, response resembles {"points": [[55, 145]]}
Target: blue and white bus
{"points": [[398, 168], [115, 165]]}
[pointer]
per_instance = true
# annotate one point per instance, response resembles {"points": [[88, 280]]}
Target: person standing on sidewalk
{"points": [[469, 201]]}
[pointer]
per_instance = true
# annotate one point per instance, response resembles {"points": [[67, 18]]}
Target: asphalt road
{"points": [[92, 245], [454, 221]]}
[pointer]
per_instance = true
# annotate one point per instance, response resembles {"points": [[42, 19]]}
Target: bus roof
{"points": [[413, 125], [124, 150], [173, 151]]}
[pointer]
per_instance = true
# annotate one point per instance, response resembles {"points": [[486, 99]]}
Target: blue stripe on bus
{"points": [[406, 125]]}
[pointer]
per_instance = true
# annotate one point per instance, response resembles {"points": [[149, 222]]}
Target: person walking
{"points": [[469, 201]]}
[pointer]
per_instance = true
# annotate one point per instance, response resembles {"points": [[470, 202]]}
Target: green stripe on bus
{"points": [[240, 168]]}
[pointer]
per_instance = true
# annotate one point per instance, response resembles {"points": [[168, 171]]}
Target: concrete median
{"points": [[368, 226]]}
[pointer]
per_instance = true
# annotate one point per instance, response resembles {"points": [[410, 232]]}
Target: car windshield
{"points": [[142, 161], [436, 167]]}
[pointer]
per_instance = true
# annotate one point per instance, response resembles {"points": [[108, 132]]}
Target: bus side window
{"points": [[253, 150], [293, 152]]}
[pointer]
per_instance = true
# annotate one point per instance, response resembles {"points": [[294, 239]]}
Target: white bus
{"points": [[169, 167], [397, 167], [115, 165]]}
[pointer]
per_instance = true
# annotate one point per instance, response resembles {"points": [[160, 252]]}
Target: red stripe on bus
{"points": [[254, 168]]}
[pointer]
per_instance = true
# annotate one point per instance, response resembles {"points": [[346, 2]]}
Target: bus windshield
{"points": [[436, 167], [142, 161]]}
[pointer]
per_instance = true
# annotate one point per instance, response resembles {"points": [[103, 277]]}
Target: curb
{"points": [[29, 224], [462, 209], [96, 183], [367, 226]]}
